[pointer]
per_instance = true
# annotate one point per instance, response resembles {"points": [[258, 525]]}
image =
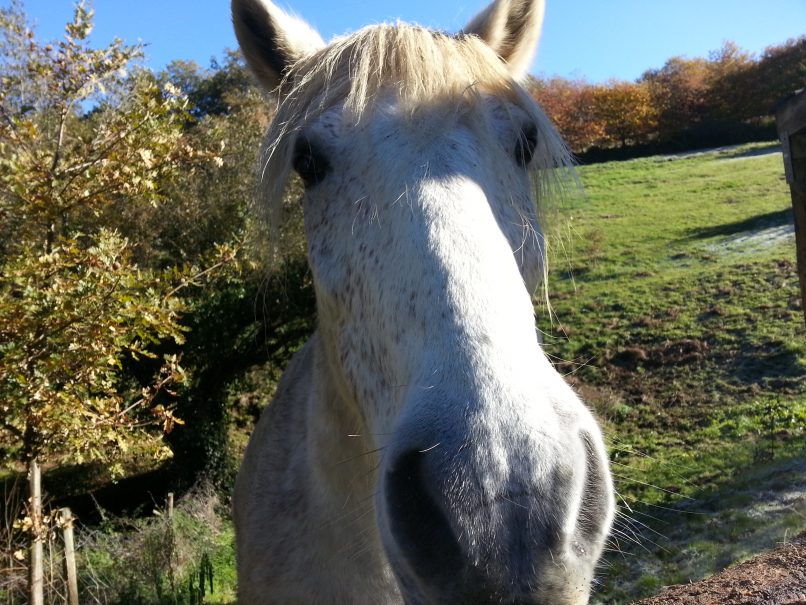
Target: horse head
{"points": [[426, 165]]}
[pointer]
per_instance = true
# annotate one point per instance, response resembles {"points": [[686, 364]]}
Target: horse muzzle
{"points": [[507, 516]]}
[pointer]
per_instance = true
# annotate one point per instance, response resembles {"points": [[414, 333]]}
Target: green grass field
{"points": [[677, 315]]}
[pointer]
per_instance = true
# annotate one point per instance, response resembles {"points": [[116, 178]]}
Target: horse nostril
{"points": [[594, 512], [418, 524]]}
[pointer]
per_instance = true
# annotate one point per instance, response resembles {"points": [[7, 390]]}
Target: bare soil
{"points": [[777, 577]]}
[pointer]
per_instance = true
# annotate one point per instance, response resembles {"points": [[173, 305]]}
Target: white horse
{"points": [[420, 448]]}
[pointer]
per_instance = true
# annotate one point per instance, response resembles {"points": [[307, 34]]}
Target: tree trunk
{"points": [[37, 576]]}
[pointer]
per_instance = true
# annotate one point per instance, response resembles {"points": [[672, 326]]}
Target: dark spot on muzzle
{"points": [[419, 526]]}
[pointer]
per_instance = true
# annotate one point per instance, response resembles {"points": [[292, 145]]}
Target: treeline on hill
{"points": [[686, 104]]}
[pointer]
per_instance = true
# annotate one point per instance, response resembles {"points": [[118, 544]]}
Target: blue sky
{"points": [[594, 39]]}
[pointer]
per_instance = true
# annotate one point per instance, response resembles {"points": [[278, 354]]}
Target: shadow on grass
{"points": [[754, 223], [769, 364], [751, 153]]}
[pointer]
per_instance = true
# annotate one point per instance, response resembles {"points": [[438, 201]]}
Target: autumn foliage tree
{"points": [[83, 135], [685, 102], [679, 93], [746, 89], [626, 112], [570, 105], [587, 115]]}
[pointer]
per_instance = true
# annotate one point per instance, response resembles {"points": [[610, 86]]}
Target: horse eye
{"points": [[525, 146], [309, 163]]}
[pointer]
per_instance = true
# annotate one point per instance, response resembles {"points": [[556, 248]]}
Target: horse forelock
{"points": [[425, 70]]}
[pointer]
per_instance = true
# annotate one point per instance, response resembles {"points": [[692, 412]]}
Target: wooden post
{"points": [[37, 579], [170, 505], [790, 116], [69, 556]]}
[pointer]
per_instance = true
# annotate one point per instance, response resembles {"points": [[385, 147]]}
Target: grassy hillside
{"points": [[677, 316]]}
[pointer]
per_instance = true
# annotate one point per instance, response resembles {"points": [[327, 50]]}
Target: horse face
{"points": [[493, 484]]}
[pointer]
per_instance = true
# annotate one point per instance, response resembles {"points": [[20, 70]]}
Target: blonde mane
{"points": [[425, 69]]}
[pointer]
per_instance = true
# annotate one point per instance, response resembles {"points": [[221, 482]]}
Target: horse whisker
{"points": [[361, 455], [657, 487]]}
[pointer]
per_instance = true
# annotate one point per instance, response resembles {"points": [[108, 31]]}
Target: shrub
{"points": [[159, 559]]}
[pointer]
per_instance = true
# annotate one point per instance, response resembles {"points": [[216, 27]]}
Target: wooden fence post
{"points": [[69, 556], [37, 577], [170, 505], [790, 116]]}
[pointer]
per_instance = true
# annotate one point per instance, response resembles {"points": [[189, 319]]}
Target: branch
{"points": [[147, 399], [199, 275], [42, 338], [102, 153], [13, 126], [59, 140], [20, 200], [13, 430]]}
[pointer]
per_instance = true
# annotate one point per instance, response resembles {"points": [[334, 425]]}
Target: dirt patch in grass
{"points": [[684, 539], [677, 352], [777, 577], [768, 365]]}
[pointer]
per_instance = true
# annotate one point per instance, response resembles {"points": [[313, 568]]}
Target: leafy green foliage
{"points": [[162, 167], [186, 558], [74, 307], [68, 319]]}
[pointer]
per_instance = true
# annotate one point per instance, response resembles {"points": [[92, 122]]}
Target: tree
{"points": [[244, 322], [679, 92], [570, 105], [747, 89], [729, 68], [626, 111], [83, 135]]}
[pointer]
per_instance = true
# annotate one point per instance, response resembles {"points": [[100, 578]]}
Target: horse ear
{"points": [[512, 29], [271, 40]]}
